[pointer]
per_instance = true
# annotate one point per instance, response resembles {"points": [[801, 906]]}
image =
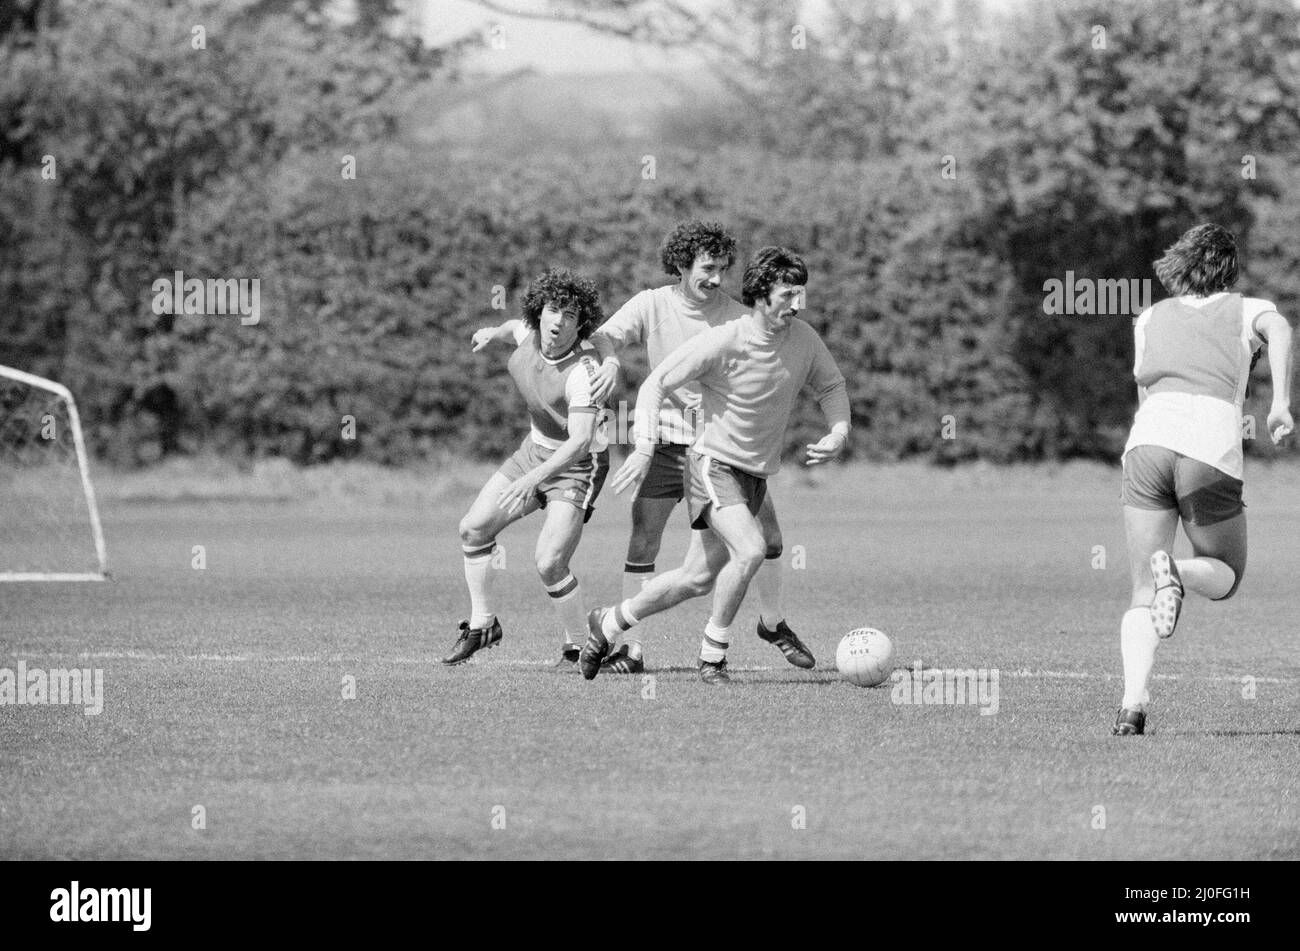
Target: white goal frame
{"points": [[96, 528]]}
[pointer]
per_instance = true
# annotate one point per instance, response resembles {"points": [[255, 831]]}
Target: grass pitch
{"points": [[224, 689]]}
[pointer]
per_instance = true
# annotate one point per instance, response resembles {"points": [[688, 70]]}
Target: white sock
{"points": [[768, 585], [566, 598], [635, 577], [617, 620], [1137, 644], [1208, 577], [478, 574], [716, 640]]}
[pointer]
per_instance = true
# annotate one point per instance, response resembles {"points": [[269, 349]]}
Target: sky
{"points": [[554, 47], [545, 46]]}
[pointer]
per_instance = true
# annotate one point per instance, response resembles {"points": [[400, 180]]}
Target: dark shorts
{"points": [[579, 485], [711, 484], [666, 478], [1161, 479]]}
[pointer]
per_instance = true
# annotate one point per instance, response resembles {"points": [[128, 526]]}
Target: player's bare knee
{"points": [[472, 534], [749, 558], [699, 583], [552, 566], [1236, 582], [770, 527], [642, 549]]}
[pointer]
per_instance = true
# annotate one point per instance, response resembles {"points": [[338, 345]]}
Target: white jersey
{"points": [[1193, 356], [663, 319]]}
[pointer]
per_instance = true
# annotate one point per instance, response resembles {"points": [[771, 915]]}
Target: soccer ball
{"points": [[864, 657]]}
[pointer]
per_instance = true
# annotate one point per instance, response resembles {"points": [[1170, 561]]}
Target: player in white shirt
{"points": [[1183, 460], [698, 254], [750, 372], [560, 466]]}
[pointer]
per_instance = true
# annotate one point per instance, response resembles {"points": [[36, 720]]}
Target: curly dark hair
{"points": [[561, 288], [692, 238], [768, 267], [1202, 262]]}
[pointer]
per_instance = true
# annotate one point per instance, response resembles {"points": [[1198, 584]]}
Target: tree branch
{"points": [[631, 31]]}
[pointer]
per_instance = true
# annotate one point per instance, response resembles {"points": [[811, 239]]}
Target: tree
{"points": [[837, 80], [1100, 131], [141, 108]]}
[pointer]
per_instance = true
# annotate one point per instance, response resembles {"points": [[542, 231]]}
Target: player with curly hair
{"points": [[1183, 459], [698, 255], [561, 464], [748, 372]]}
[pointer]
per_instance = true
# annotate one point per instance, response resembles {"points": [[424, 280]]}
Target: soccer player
{"points": [[698, 254], [560, 466], [1183, 459], [749, 371]]}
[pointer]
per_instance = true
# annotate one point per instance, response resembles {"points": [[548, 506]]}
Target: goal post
{"points": [[49, 522]]}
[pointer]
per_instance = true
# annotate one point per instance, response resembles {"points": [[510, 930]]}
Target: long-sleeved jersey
{"points": [[748, 381]]}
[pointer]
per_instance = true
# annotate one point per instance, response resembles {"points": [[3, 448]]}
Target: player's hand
{"points": [[602, 383], [1280, 423], [516, 495], [631, 473], [482, 337], [826, 448]]}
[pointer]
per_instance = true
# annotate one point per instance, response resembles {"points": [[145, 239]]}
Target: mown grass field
{"points": [[224, 689]]}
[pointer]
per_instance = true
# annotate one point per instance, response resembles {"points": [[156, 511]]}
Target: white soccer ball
{"points": [[865, 657]]}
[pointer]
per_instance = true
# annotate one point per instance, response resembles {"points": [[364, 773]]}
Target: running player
{"points": [[560, 466], [698, 254], [1183, 460], [749, 371]]}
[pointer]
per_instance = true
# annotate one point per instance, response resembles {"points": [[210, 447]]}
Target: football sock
{"points": [[566, 598], [478, 573], [635, 577], [716, 640], [617, 620], [1137, 644], [768, 584], [1208, 577]]}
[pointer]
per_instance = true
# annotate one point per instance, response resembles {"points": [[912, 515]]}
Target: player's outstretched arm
{"points": [[582, 427], [509, 331], [626, 327], [829, 446], [1275, 330], [833, 397], [649, 398], [688, 362], [606, 375]]}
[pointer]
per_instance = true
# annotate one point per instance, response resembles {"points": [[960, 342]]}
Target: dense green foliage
{"points": [[934, 183]]}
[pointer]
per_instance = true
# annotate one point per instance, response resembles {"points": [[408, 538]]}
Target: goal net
{"points": [[49, 525]]}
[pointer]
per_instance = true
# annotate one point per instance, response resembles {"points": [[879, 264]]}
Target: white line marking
{"points": [[277, 659], [1022, 674], [1025, 674]]}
